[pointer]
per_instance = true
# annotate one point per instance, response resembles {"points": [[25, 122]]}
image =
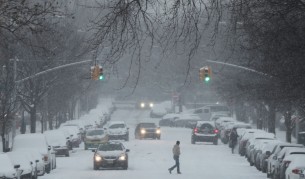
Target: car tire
{"points": [[48, 169], [268, 175], [193, 141], [95, 167], [67, 154], [215, 142], [86, 148], [125, 166]]}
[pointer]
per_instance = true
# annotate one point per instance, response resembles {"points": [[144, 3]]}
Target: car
{"points": [[279, 165], [59, 142], [225, 133], [207, 111], [220, 122], [205, 131], [243, 139], [94, 137], [263, 155], [296, 168], [110, 155], [168, 119], [27, 165], [143, 104], [258, 145], [186, 120], [147, 130], [118, 130], [160, 109], [273, 157], [37, 143], [8, 169], [72, 131], [287, 161]]}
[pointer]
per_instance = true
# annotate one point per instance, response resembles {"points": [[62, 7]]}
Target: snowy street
{"points": [[152, 158]]}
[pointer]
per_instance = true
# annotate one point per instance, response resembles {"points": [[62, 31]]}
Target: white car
{"points": [[37, 143], [296, 168], [7, 168], [27, 165], [117, 130], [58, 140], [73, 134]]}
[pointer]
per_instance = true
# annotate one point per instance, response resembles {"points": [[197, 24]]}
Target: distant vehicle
{"points": [[58, 141], [225, 133], [143, 104], [160, 109], [94, 137], [219, 123], [147, 130], [243, 139], [207, 111], [117, 130], [168, 119], [204, 131], [7, 169], [186, 120], [110, 155], [37, 143]]}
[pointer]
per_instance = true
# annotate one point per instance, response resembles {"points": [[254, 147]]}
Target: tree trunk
{"points": [[3, 137], [50, 120], [33, 119], [259, 122], [271, 119], [287, 116]]}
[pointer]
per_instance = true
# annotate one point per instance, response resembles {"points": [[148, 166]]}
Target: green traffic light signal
{"points": [[101, 77], [207, 79]]}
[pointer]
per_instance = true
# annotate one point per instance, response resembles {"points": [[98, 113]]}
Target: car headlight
{"points": [[151, 105], [143, 131], [97, 158], [142, 105], [122, 157], [158, 131]]}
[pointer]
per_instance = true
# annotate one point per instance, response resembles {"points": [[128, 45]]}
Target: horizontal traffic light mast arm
{"points": [[53, 69], [240, 67]]}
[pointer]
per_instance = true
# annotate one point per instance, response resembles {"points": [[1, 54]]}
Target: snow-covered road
{"points": [[150, 159]]}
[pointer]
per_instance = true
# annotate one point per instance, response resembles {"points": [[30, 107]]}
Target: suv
{"points": [[205, 131], [117, 130], [94, 138], [147, 130]]}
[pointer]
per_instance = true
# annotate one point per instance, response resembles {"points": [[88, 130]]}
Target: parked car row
{"points": [[279, 160]]}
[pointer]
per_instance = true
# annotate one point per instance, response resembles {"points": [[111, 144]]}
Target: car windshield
{"points": [[95, 132], [148, 125], [110, 147], [115, 126]]}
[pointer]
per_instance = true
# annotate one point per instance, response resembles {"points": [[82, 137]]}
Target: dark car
{"points": [[205, 131], [110, 155], [147, 130]]}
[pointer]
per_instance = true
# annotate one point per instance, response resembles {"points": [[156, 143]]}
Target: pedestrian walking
{"points": [[176, 153], [233, 138]]}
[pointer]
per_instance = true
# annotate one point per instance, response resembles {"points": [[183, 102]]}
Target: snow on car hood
{"points": [[110, 153], [6, 166], [21, 159]]}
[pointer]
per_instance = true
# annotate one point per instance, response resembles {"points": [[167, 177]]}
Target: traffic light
{"points": [[101, 74], [205, 74], [95, 72]]}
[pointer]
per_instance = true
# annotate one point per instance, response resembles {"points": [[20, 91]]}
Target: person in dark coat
{"points": [[176, 153], [233, 138]]}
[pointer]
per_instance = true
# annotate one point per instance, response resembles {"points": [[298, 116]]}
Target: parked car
{"points": [[296, 168], [110, 155], [147, 130], [37, 143], [279, 165], [94, 137], [273, 157], [118, 130], [160, 109], [256, 137], [73, 133], [243, 139], [258, 145], [204, 131], [59, 142], [222, 120], [225, 133], [168, 119], [287, 161], [186, 120], [263, 155], [8, 169], [27, 165]]}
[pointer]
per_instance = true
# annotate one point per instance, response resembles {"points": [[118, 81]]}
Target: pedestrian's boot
{"points": [[170, 171], [178, 172]]}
